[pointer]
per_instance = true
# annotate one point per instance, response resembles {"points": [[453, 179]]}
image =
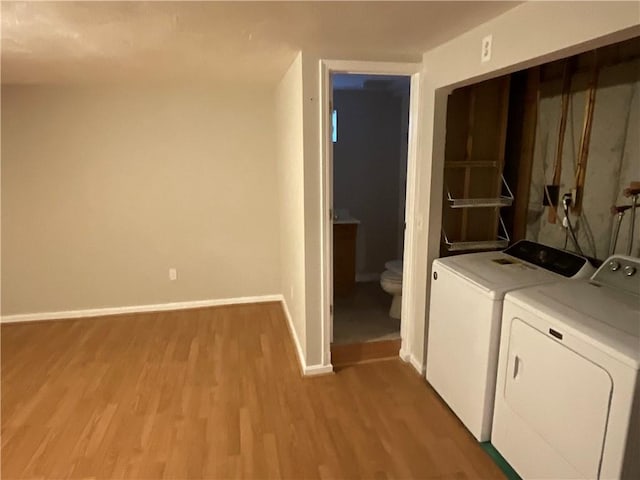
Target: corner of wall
{"points": [[290, 158], [306, 370]]}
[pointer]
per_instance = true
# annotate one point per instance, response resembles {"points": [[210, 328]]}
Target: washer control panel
{"points": [[558, 261], [619, 272]]}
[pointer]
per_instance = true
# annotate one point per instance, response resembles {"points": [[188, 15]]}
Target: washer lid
{"points": [[600, 315], [496, 273]]}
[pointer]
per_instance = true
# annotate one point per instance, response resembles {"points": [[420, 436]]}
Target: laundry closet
{"points": [[518, 145], [531, 347]]}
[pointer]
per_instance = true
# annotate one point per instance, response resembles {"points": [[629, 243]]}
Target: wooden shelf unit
{"points": [[475, 189]]}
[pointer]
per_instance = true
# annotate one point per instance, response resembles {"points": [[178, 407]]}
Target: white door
{"points": [[331, 127], [561, 396]]}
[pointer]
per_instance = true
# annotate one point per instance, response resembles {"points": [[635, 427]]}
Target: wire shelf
{"points": [[500, 243], [504, 200]]}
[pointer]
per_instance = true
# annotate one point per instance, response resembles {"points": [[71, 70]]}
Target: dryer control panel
{"points": [[620, 273]]}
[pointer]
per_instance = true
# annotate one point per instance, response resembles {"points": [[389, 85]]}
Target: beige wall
{"points": [[290, 194], [530, 34], [104, 189]]}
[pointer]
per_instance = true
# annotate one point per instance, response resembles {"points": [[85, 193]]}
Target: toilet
{"points": [[391, 282]]}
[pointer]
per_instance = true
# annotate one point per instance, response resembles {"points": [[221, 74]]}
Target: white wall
{"points": [[313, 210], [530, 34], [105, 188], [291, 194]]}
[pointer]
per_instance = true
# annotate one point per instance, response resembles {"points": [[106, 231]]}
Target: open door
{"points": [[333, 129], [337, 328]]}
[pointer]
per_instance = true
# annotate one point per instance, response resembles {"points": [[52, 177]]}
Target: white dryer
{"points": [[568, 396], [464, 320]]}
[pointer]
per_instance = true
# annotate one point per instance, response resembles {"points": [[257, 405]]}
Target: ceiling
{"points": [[79, 42]]}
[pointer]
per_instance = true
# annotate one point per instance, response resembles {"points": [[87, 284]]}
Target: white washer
{"points": [[567, 398], [464, 321]]}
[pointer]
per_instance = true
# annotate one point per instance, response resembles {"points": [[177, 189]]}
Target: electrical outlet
{"points": [[291, 292], [487, 42], [173, 274]]}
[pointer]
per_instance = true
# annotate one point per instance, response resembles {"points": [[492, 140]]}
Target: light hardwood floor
{"points": [[214, 393]]}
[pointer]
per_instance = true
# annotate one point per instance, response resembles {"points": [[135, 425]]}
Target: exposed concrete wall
{"points": [[613, 162]]}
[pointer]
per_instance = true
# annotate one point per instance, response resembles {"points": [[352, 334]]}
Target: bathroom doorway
{"points": [[369, 141]]}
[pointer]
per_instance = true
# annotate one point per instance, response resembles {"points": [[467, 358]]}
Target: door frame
{"points": [[412, 70]]}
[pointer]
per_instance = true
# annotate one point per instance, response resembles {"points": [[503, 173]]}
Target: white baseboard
{"points": [[405, 356], [318, 370], [159, 307], [294, 335], [307, 370], [367, 277], [420, 368]]}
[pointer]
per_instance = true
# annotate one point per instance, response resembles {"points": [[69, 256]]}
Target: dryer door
{"points": [[560, 395]]}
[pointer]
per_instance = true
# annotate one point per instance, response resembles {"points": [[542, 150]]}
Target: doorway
{"points": [[368, 179]]}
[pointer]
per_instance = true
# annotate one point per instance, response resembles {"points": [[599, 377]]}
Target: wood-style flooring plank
{"points": [[214, 393], [352, 353]]}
